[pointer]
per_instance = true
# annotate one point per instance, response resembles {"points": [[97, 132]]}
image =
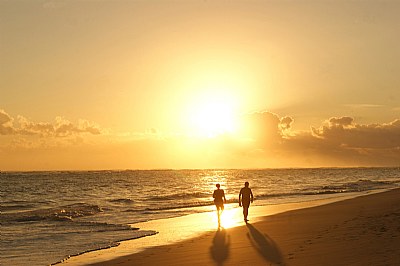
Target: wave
{"points": [[357, 186], [177, 201], [178, 196], [98, 227], [360, 185], [79, 236], [6, 207], [177, 206], [138, 234], [121, 201], [169, 207], [62, 213], [15, 205]]}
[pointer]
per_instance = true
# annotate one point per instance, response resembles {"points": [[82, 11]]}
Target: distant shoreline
{"points": [[199, 169]]}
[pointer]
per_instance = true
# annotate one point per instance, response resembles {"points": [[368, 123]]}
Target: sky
{"points": [[88, 85]]}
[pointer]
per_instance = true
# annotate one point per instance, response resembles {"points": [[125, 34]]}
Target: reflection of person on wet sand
{"points": [[219, 200], [245, 197]]}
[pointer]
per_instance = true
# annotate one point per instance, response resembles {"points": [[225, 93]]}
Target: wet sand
{"points": [[359, 231]]}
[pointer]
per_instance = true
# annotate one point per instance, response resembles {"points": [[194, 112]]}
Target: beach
{"points": [[56, 216], [364, 230]]}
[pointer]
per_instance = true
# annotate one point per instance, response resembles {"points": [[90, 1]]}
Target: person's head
{"points": [[218, 185], [246, 184]]}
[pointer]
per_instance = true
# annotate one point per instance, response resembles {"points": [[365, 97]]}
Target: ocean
{"points": [[47, 217]]}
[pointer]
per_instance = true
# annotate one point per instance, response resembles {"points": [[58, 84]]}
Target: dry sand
{"points": [[360, 231]]}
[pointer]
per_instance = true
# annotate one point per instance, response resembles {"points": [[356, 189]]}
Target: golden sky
{"points": [[199, 84]]}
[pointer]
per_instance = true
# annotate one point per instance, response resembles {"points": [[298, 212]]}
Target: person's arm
{"points": [[251, 196], [240, 196], [224, 197]]}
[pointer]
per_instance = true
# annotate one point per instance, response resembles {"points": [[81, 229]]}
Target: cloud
{"points": [[266, 128], [6, 127], [286, 123], [363, 105], [339, 141], [265, 139], [60, 128], [344, 121], [344, 132]]}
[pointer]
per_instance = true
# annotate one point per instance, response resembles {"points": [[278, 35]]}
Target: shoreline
{"points": [[178, 230]]}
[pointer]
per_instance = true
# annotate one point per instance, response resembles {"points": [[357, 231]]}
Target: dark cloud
{"points": [[286, 122], [341, 122], [343, 131], [340, 141], [60, 128], [266, 128], [343, 142]]}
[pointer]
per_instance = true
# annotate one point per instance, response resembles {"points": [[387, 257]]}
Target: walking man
{"points": [[245, 198]]}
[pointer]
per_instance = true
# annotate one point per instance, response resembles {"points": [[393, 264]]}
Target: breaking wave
{"points": [[62, 213]]}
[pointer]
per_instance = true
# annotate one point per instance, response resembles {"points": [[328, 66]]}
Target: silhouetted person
{"points": [[245, 197], [219, 200]]}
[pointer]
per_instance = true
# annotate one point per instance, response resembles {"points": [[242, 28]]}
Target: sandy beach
{"points": [[360, 231]]}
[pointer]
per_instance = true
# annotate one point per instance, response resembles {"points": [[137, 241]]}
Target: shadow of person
{"points": [[265, 246], [219, 250]]}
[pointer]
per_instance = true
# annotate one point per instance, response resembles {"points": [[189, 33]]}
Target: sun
{"points": [[213, 116]]}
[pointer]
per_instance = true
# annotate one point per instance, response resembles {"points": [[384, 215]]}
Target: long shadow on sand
{"points": [[220, 246], [265, 246]]}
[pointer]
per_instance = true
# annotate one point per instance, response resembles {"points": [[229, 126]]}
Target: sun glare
{"points": [[213, 116], [230, 217]]}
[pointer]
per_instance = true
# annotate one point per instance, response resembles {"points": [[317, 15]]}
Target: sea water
{"points": [[46, 217]]}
